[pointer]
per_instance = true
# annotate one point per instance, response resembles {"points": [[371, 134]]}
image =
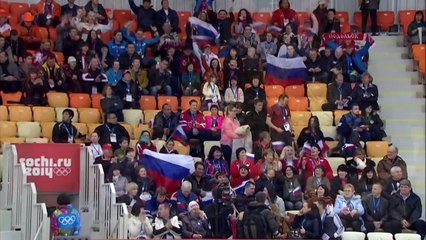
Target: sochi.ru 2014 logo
{"points": [[48, 167]]}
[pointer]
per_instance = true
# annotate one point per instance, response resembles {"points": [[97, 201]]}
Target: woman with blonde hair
{"points": [[288, 158]]}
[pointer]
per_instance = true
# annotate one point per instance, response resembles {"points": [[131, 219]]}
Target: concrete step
{"points": [[381, 76], [386, 114]]}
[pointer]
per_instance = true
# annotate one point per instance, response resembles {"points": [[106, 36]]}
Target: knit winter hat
{"points": [[193, 205]]}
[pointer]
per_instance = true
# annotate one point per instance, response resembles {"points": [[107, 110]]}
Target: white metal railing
{"points": [[6, 196]]}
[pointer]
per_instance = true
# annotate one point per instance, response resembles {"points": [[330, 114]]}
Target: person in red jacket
{"points": [[187, 57], [194, 124], [242, 160], [308, 164], [284, 15]]}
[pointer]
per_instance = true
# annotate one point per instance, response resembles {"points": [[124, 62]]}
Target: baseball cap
{"points": [[107, 146]]}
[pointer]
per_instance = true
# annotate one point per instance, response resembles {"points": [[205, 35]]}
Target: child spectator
{"points": [[121, 153]]}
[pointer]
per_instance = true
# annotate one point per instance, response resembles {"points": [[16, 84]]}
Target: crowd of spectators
{"points": [[155, 57]]}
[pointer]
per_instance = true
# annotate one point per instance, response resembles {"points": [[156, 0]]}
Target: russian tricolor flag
{"points": [[321, 144], [205, 31], [240, 188], [285, 71], [278, 146], [180, 135], [167, 170], [250, 156]]}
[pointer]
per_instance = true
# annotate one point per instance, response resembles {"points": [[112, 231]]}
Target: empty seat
{"points": [[89, 115], [11, 140], [96, 100], [4, 114], [274, 90], [300, 118], [44, 114], [129, 129], [317, 90], [385, 20], [7, 129], [185, 102], [139, 128], [80, 100], [295, 90], [353, 236], [9, 99], [57, 99], [59, 111], [407, 236], [271, 102], [20, 114], [263, 17], [329, 131], [298, 104], [335, 162], [29, 129], [36, 140], [379, 236], [171, 100], [377, 148], [315, 103], [59, 55], [147, 102], [92, 126], [133, 116], [405, 18], [46, 129], [343, 17], [81, 128], [149, 115], [325, 118], [122, 16], [338, 115]]}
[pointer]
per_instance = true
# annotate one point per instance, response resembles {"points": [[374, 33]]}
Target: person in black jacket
{"points": [[243, 199], [146, 185], [374, 123], [96, 7], [332, 226], [111, 131], [145, 14], [219, 211], [365, 183], [166, 14], [70, 8], [253, 93], [308, 220], [311, 134], [127, 91], [111, 103], [338, 94], [165, 122], [338, 182], [131, 198], [65, 132], [357, 164], [366, 93], [127, 57], [199, 180], [224, 24], [257, 119], [17, 45], [315, 67], [376, 209]]}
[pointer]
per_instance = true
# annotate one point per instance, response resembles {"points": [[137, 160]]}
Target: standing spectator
{"points": [[139, 224], [279, 121], [138, 39], [406, 210], [267, 47], [160, 78], [16, 43], [29, 31], [91, 23], [190, 81], [219, 211], [128, 92], [211, 93], [95, 147], [308, 164], [365, 183], [72, 75], [309, 221], [366, 93], [413, 28], [114, 74], [390, 160], [292, 193], [111, 103], [165, 225], [251, 66], [284, 15], [199, 180], [94, 78], [194, 123], [146, 185], [253, 93], [376, 213], [257, 121], [195, 224], [224, 25], [47, 12], [243, 199], [214, 123], [139, 76], [229, 127], [126, 58], [349, 208], [215, 163], [145, 14], [243, 19], [183, 197], [34, 89], [117, 45], [111, 131], [165, 123], [9, 73], [70, 8], [64, 131], [60, 225], [329, 24], [321, 11], [166, 14], [369, 7], [62, 31], [188, 57], [119, 181], [317, 179], [338, 94], [99, 10]]}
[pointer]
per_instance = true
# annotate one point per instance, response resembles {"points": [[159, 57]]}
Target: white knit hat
{"points": [[193, 205], [71, 59]]}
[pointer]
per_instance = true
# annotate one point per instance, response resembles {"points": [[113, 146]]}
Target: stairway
{"points": [[402, 106]]}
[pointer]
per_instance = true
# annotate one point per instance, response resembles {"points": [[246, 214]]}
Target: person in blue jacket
{"points": [[183, 197], [145, 14], [350, 209], [65, 219], [151, 206], [138, 38], [117, 45]]}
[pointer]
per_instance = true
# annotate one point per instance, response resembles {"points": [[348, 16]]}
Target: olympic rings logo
{"points": [[66, 220], [61, 171]]}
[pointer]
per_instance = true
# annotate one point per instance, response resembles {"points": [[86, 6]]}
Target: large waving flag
{"points": [[180, 135], [167, 170], [285, 71], [205, 31]]}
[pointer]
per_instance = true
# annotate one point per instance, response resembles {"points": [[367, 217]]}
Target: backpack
{"points": [[254, 224]]}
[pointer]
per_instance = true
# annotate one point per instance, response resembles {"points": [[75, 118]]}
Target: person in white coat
{"points": [[165, 225], [139, 224]]}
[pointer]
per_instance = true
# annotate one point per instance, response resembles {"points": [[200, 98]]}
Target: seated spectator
{"points": [[243, 175], [94, 78], [139, 224], [267, 47], [279, 121], [366, 93], [195, 224], [323, 193], [391, 159], [352, 128], [214, 123], [138, 39], [313, 182], [47, 13], [284, 15], [194, 123], [114, 74], [144, 143], [332, 226], [169, 38], [413, 29], [94, 146], [315, 67], [309, 221], [273, 199], [9, 73], [183, 197], [358, 163], [65, 210], [160, 78], [121, 153], [240, 161], [34, 89], [100, 13], [376, 209], [126, 58], [288, 52], [119, 181], [257, 121], [111, 131], [190, 81], [339, 182], [166, 14], [64, 131], [211, 93], [91, 23], [139, 76], [169, 148], [188, 57], [70, 8], [406, 210], [292, 193], [111, 103], [244, 198], [375, 123], [338, 94], [146, 185], [329, 24], [213, 69], [40, 57], [145, 14], [83, 56], [253, 93], [251, 66], [308, 164], [232, 71], [95, 43], [261, 145], [393, 183], [243, 19], [312, 134], [215, 163], [17, 45], [365, 183], [29, 32], [165, 225], [269, 161], [128, 92], [207, 56], [286, 39], [131, 199], [151, 206], [106, 159], [246, 40], [199, 180], [72, 75], [164, 123], [289, 159], [349, 208], [25, 66], [338, 64], [128, 165], [233, 93]]}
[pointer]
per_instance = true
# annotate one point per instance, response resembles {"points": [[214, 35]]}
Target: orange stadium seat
{"points": [[338, 115], [105, 37], [295, 90], [96, 100], [419, 51], [318, 90], [138, 128], [44, 114], [274, 90], [20, 114], [81, 128], [57, 99], [92, 126], [129, 129], [8, 129], [149, 115], [59, 57], [147, 102], [377, 148], [263, 17], [171, 100], [300, 118], [270, 102], [46, 129], [182, 149], [298, 104], [186, 99], [405, 18], [122, 16], [18, 8], [315, 103], [358, 20], [385, 20], [302, 16], [4, 114], [10, 99], [183, 20], [4, 5], [345, 27], [80, 100], [89, 115], [343, 17]]}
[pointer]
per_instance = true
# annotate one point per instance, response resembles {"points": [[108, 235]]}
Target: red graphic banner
{"points": [[53, 167]]}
